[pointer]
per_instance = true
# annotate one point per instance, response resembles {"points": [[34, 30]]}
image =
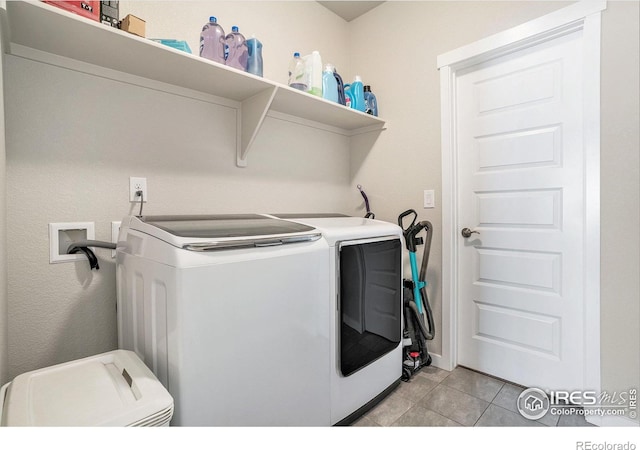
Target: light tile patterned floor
{"points": [[438, 398]]}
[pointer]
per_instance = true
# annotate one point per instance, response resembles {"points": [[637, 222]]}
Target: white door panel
{"points": [[521, 185], [508, 151]]}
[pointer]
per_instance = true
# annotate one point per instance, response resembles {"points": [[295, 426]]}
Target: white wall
{"points": [[3, 217], [406, 159], [620, 197], [74, 139]]}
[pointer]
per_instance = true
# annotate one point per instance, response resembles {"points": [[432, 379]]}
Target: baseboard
{"points": [[437, 361]]}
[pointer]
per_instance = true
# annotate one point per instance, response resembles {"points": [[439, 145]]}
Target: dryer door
{"points": [[370, 301]]}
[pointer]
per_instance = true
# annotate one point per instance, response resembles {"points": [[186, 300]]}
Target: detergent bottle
{"points": [[356, 90], [212, 44], [348, 98], [329, 83], [370, 101], [254, 63], [313, 68], [238, 55], [297, 76], [341, 97]]}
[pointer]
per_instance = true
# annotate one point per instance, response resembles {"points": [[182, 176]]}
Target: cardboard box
{"points": [[134, 25], [109, 13], [86, 8]]}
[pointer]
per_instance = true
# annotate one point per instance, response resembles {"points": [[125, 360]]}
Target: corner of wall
{"points": [[3, 217]]}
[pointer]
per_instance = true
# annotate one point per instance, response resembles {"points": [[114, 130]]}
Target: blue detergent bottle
{"points": [[348, 98], [356, 90], [254, 63], [329, 84], [341, 97], [370, 101]]}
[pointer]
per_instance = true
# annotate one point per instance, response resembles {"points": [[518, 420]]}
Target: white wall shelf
{"points": [[52, 31]]}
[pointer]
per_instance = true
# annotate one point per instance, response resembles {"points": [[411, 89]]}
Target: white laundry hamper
{"points": [[111, 389]]}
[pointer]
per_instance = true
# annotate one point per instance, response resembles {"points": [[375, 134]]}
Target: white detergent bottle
{"points": [[313, 69]]}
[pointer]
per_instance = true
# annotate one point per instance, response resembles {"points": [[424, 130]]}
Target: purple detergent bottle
{"points": [[238, 55], [212, 41]]}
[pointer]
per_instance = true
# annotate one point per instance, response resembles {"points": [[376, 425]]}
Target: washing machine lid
{"points": [[111, 389], [225, 226], [224, 232]]}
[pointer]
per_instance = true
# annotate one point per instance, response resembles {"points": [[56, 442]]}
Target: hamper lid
{"points": [[110, 389]]}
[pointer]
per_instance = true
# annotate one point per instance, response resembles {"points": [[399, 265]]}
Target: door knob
{"points": [[466, 232]]}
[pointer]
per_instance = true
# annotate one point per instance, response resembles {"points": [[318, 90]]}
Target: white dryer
{"points": [[366, 317]]}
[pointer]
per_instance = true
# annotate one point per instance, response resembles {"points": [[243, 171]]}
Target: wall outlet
{"points": [[138, 184], [61, 235]]}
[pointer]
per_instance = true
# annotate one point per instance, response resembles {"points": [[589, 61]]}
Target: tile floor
{"points": [[438, 398]]}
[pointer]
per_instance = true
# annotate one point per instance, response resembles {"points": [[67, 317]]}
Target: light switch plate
{"points": [[429, 199]]}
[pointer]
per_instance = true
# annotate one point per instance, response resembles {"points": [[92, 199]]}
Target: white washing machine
{"points": [[366, 317], [231, 315], [238, 315]]}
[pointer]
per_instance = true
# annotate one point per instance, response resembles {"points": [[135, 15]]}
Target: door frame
{"points": [[585, 16]]}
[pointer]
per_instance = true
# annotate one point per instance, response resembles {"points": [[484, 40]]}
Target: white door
{"points": [[521, 186]]}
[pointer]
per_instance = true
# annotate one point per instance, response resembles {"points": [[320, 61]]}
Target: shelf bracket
{"points": [[251, 116]]}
